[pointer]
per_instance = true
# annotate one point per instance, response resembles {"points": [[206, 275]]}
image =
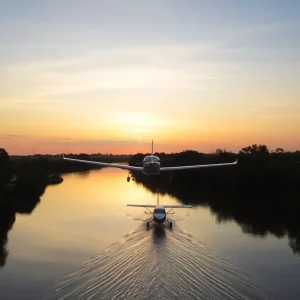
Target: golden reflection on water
{"points": [[86, 212]]}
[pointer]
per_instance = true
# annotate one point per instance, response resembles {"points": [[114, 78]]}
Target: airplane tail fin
{"points": [[152, 148]]}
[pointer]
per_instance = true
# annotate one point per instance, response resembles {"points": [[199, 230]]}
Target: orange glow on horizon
{"points": [[204, 142]]}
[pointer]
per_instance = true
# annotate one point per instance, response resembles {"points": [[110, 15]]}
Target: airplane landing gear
{"points": [[148, 223], [170, 224], [128, 178]]}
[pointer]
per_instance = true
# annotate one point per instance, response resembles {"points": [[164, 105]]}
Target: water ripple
{"points": [[157, 263]]}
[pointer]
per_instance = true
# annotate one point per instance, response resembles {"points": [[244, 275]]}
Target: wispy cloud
{"points": [[12, 136], [160, 67]]}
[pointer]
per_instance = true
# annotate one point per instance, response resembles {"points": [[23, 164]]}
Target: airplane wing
{"points": [[123, 167], [196, 166], [141, 205], [177, 206], [165, 206]]}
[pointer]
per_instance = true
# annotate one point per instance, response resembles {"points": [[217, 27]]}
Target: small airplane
{"points": [[151, 165], [159, 212]]}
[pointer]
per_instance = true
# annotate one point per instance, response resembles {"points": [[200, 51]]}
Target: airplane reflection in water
{"points": [[159, 213], [151, 165]]}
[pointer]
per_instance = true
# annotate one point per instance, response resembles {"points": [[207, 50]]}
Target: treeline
{"points": [[38, 167], [55, 163], [254, 152]]}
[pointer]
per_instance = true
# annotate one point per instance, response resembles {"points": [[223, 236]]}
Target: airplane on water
{"points": [[159, 214], [151, 165]]}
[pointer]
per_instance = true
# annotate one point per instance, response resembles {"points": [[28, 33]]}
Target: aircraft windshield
{"points": [[159, 211], [151, 158]]}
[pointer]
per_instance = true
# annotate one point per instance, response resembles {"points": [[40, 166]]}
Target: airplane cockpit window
{"points": [[159, 211], [151, 158]]}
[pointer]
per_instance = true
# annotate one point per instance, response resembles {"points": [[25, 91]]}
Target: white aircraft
{"points": [[159, 212], [151, 165]]}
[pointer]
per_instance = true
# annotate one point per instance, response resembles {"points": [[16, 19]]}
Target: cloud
{"points": [[12, 136]]}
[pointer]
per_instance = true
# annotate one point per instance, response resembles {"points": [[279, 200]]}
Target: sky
{"points": [[110, 76]]}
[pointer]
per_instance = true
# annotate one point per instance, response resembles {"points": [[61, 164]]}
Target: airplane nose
{"points": [[160, 216]]}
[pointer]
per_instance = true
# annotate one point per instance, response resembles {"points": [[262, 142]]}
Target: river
{"points": [[82, 242]]}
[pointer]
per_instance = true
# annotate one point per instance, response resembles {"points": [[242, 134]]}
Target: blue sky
{"points": [[202, 70]]}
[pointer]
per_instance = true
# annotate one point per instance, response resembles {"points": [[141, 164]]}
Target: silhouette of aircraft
{"points": [[159, 214], [151, 165]]}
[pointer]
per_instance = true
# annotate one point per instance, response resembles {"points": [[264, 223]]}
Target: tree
{"points": [[222, 152], [279, 150], [255, 149], [4, 167], [3, 154]]}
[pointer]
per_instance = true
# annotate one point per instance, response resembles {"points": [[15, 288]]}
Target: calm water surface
{"points": [[82, 242]]}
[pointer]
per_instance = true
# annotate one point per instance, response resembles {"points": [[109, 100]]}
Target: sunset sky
{"points": [[110, 76]]}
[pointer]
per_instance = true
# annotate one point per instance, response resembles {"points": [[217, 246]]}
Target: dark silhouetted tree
{"points": [[222, 152], [4, 167], [255, 149], [279, 150]]}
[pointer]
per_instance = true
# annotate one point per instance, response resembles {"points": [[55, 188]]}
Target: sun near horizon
{"points": [[109, 77]]}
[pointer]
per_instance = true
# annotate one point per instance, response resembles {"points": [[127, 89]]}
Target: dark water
{"points": [[82, 242]]}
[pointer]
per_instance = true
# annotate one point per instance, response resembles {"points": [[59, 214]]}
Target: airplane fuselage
{"points": [[159, 214], [151, 165]]}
